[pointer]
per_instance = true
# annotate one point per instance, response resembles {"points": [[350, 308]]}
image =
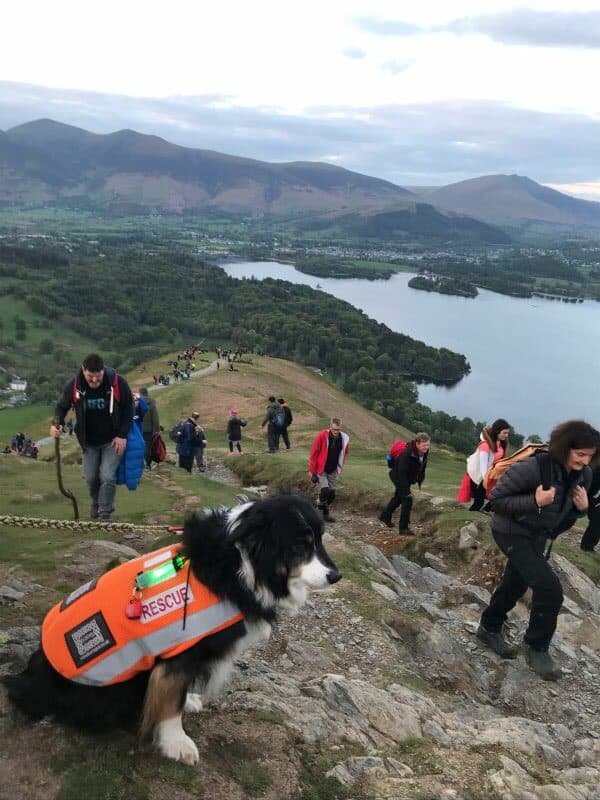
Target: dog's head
{"points": [[282, 552]]}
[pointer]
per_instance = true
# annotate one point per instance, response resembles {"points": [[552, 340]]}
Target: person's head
{"points": [[335, 426], [422, 443], [500, 430], [195, 415], [271, 399], [143, 391], [233, 412], [281, 401], [574, 444], [93, 370]]}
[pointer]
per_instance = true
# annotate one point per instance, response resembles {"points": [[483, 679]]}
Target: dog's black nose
{"points": [[333, 576]]}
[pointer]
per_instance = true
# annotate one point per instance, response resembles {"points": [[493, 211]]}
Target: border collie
{"points": [[258, 559]]}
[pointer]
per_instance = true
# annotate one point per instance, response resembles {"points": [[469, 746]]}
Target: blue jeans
{"points": [[100, 472], [198, 457]]}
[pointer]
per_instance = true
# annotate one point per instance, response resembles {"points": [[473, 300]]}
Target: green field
{"points": [[31, 419]]}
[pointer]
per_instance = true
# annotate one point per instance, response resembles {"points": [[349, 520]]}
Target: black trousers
{"points": [[285, 437], [273, 433], [186, 462], [405, 501], [148, 442], [478, 495], [526, 568], [591, 537]]}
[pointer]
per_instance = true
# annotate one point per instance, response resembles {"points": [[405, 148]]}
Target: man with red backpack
{"points": [[104, 409], [408, 462]]}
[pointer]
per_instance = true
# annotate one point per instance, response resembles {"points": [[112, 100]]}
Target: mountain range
{"points": [[49, 160], [123, 172], [509, 199]]}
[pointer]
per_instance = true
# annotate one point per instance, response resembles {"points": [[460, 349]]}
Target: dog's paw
{"points": [[193, 703], [180, 748]]}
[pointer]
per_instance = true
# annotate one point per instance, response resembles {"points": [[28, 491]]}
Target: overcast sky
{"points": [[425, 93]]}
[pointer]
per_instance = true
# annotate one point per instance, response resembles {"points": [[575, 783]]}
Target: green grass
{"points": [[588, 563], [252, 776], [33, 492], [316, 786], [33, 420], [109, 769]]}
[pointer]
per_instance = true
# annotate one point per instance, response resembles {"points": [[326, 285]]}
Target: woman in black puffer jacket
{"points": [[534, 501]]}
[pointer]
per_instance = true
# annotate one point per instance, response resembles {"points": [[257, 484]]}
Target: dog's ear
{"points": [[262, 534], [253, 528], [204, 534]]}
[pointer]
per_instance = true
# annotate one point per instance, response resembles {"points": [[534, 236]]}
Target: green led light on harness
{"points": [[159, 574]]}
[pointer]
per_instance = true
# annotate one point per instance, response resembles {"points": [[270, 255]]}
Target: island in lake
{"points": [[428, 282]]}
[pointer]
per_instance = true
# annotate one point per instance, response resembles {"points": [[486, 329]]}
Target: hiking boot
{"points": [[496, 642], [104, 518], [542, 663], [326, 515], [386, 520], [406, 531], [94, 513]]}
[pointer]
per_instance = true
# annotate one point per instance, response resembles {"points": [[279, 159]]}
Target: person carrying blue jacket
{"points": [[103, 406], [141, 408]]}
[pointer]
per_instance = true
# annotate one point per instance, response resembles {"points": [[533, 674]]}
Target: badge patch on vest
{"points": [[90, 638], [165, 602], [77, 593]]}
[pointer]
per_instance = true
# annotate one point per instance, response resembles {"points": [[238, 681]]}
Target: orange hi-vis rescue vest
{"points": [[88, 637]]}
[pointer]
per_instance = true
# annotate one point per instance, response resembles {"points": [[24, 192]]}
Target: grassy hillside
{"points": [[313, 401], [351, 630]]}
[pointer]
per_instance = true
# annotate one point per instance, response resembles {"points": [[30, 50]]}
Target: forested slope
{"points": [[135, 305]]}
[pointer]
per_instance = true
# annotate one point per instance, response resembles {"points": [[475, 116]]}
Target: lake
{"points": [[533, 361]]}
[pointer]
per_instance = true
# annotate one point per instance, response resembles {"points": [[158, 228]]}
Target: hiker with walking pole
{"points": [[103, 405], [534, 501]]}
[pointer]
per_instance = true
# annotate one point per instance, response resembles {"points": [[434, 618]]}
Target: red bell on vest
{"points": [[133, 609]]}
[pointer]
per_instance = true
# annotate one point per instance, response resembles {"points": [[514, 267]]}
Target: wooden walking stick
{"points": [[61, 485]]}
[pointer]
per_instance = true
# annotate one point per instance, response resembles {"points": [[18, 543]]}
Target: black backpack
{"points": [[278, 417], [176, 432]]}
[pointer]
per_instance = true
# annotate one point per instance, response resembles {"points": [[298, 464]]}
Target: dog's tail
{"points": [[40, 691], [31, 691]]}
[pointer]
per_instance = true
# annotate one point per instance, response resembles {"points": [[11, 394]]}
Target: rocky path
{"points": [[379, 688]]}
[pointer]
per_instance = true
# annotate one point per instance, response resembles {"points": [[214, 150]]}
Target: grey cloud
{"points": [[354, 52], [520, 26], [525, 26], [386, 27], [395, 67], [427, 144]]}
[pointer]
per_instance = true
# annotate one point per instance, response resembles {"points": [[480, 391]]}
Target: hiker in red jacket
{"points": [[326, 461], [408, 468]]}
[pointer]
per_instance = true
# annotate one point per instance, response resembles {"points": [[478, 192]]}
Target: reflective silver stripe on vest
{"points": [[157, 642]]}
